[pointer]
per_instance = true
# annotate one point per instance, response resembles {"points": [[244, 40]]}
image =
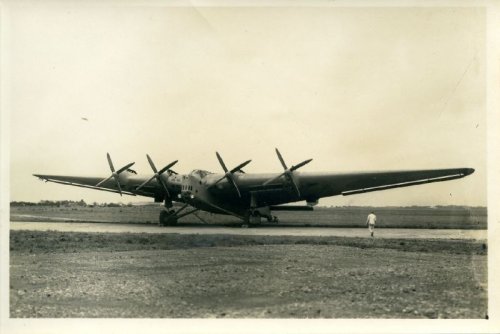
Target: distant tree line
{"points": [[49, 203], [82, 203], [66, 203]]}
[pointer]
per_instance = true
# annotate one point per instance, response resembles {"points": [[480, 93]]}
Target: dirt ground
{"points": [[170, 276]]}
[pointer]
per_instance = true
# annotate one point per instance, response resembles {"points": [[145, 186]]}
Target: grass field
{"points": [[71, 242], [407, 217]]}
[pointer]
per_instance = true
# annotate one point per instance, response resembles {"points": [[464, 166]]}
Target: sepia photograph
{"points": [[239, 167]]}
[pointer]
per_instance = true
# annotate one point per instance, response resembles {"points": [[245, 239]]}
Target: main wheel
{"points": [[163, 218], [255, 219], [167, 219], [272, 219], [252, 218]]}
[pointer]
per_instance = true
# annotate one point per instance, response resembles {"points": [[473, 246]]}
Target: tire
{"points": [[167, 219]]}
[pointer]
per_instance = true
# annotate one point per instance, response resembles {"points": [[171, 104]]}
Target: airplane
{"points": [[248, 196]]}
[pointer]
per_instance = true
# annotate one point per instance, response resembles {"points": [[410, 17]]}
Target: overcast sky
{"points": [[353, 88]]}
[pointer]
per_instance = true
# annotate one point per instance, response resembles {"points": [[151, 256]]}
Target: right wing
{"points": [[327, 184]]}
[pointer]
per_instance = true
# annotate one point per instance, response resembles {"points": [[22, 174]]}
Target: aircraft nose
{"points": [[187, 194]]}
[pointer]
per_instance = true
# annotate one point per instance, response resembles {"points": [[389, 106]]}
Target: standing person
{"points": [[370, 221]]}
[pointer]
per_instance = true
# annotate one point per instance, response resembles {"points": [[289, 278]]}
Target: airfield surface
{"points": [[122, 265], [403, 233], [68, 274]]}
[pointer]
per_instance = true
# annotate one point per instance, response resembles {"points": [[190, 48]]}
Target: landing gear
{"points": [[167, 215], [253, 217], [168, 218], [255, 214], [272, 219]]}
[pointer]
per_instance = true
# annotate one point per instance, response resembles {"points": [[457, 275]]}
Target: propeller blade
{"points": [[231, 180], [103, 181], [167, 167], [151, 163], [158, 177], [159, 173], [117, 179], [144, 183], [288, 173], [281, 159], [229, 173], [115, 175], [124, 168], [300, 165], [274, 179], [240, 166], [110, 163], [222, 178], [221, 162], [292, 181]]}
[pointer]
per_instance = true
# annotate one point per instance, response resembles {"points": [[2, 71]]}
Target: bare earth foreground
{"points": [[72, 274]]}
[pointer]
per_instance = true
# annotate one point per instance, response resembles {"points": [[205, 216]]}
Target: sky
{"points": [[356, 89]]}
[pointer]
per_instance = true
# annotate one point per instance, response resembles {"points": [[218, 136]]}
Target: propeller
{"points": [[158, 174], [229, 173], [115, 174], [288, 173]]}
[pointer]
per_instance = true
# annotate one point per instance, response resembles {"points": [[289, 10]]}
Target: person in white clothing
{"points": [[370, 221]]}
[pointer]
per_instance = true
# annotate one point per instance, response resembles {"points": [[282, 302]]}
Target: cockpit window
{"points": [[201, 173]]}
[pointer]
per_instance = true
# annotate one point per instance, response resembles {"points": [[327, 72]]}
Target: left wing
{"points": [[128, 184], [123, 180]]}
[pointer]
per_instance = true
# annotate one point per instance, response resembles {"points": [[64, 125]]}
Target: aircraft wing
{"points": [[329, 184], [128, 185], [312, 186], [317, 185]]}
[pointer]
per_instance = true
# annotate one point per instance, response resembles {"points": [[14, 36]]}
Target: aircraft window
{"points": [[201, 173]]}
